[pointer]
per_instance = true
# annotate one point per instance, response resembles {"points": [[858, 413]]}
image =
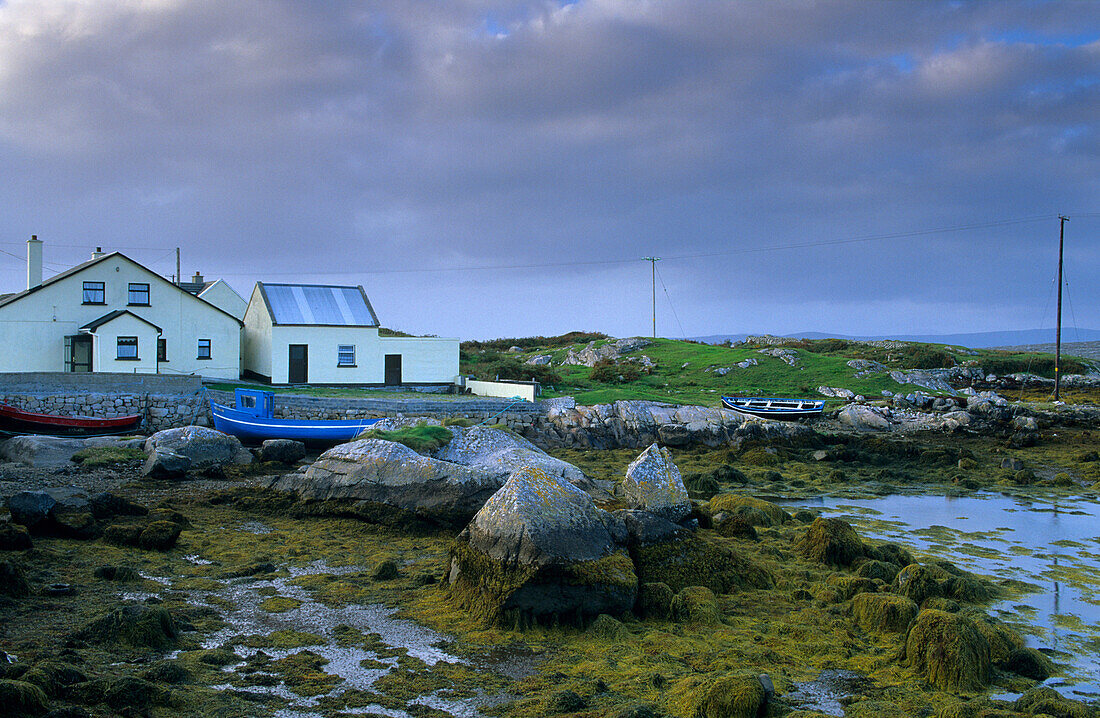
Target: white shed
{"points": [[325, 334]]}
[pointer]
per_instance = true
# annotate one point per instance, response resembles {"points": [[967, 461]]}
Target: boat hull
{"points": [[774, 407], [255, 429], [17, 421]]}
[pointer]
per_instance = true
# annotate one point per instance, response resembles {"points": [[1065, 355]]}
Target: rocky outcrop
{"points": [[835, 392], [499, 453], [787, 356], [864, 418], [208, 450], [539, 360], [637, 424], [653, 484], [376, 475], [609, 351], [55, 451]]}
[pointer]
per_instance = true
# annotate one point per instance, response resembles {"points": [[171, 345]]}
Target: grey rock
{"points": [[653, 483], [644, 528], [864, 418], [391, 474], [836, 392], [56, 451], [208, 449], [536, 519], [30, 507], [767, 684], [1025, 423], [820, 455], [286, 451], [539, 360], [610, 351], [499, 453], [164, 464], [1012, 464]]}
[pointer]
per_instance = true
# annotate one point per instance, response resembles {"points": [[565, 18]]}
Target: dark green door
{"points": [[393, 369], [299, 364]]}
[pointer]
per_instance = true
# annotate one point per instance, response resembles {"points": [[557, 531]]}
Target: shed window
{"points": [[138, 294], [94, 293], [204, 349], [345, 355], [127, 348]]}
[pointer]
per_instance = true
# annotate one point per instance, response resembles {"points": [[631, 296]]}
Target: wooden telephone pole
{"points": [[1058, 332], [653, 276]]}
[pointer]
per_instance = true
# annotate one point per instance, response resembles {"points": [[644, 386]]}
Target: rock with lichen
{"points": [[209, 450], [387, 478], [499, 453], [653, 484], [539, 550]]}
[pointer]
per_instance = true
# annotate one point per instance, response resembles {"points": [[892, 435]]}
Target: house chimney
{"points": [[98, 253], [34, 261], [197, 279]]}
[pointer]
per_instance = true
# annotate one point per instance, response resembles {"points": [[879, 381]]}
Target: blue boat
{"points": [[774, 408], [254, 420]]}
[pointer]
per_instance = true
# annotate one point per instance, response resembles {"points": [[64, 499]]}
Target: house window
{"points": [[94, 293], [204, 349], [138, 294], [162, 350], [345, 355], [127, 349]]}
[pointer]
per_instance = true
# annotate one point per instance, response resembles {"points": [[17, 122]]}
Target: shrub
{"points": [[511, 369], [607, 372]]}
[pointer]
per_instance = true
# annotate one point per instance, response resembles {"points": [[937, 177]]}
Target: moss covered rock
{"points": [[699, 561], [849, 586], [728, 696], [1047, 701], [53, 676], [883, 612], [655, 600], [19, 699], [141, 626], [735, 526], [696, 604], [940, 580], [1002, 640], [885, 572], [831, 541], [948, 650], [757, 511]]}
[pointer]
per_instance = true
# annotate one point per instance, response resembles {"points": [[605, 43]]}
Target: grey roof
{"points": [[109, 316], [318, 305]]}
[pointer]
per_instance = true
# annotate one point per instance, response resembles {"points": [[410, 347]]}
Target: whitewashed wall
{"points": [[105, 346]]}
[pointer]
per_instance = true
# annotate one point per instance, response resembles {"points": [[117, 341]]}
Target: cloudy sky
{"points": [[491, 168]]}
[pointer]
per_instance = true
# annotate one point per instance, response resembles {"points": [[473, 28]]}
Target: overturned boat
{"points": [[774, 408]]}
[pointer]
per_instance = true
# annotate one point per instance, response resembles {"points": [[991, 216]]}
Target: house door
{"points": [[393, 369], [299, 364], [78, 352]]}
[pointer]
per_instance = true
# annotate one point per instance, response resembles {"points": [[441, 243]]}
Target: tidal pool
{"points": [[1051, 545]]}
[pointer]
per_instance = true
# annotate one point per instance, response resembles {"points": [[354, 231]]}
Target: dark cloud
{"points": [[345, 139]]}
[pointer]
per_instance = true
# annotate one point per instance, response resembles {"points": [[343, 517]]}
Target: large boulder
{"points": [[864, 418], [539, 550], [653, 484], [51, 452], [285, 451], [30, 507], [390, 477], [500, 453], [209, 450], [949, 651]]}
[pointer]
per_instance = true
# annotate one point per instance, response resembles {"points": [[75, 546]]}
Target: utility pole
{"points": [[179, 277], [653, 272], [1058, 332]]}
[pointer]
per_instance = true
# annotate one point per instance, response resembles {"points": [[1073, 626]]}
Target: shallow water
{"points": [[1053, 545]]}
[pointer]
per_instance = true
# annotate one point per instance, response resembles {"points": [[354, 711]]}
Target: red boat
{"points": [[17, 421]]}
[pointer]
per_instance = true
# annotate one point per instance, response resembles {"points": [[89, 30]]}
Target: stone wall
{"points": [[161, 411]]}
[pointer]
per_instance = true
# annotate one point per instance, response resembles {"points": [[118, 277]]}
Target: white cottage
{"points": [[111, 314], [322, 334]]}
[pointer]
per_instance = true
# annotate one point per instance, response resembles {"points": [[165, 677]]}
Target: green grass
{"points": [[420, 438]]}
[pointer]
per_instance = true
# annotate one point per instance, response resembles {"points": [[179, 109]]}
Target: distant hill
{"points": [[975, 340]]}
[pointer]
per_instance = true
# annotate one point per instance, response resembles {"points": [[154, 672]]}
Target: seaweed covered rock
{"points": [[499, 453], [209, 450], [158, 531], [1002, 640], [19, 699], [655, 600], [881, 570], [1029, 663], [831, 541], [131, 692], [14, 537], [13, 582], [756, 511], [695, 604], [54, 676], [727, 696], [392, 478], [734, 526], [948, 650], [653, 484], [883, 612], [539, 549], [1047, 701], [698, 561], [140, 626], [921, 582]]}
